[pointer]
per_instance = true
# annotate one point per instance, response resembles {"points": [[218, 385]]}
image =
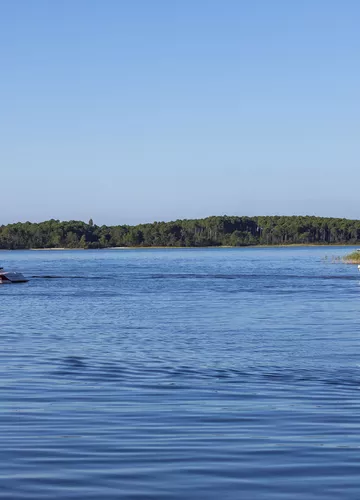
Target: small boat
{"points": [[11, 277]]}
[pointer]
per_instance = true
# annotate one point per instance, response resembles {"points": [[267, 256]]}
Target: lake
{"points": [[180, 374]]}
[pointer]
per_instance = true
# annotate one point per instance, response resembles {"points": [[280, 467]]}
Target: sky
{"points": [[129, 111]]}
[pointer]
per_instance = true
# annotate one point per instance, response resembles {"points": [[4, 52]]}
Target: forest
{"points": [[211, 231]]}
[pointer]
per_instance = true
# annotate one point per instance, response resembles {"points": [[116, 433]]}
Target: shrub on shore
{"points": [[353, 257]]}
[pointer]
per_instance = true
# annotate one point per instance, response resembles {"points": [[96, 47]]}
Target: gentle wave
{"points": [[183, 375]]}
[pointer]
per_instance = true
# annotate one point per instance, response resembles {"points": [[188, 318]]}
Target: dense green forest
{"points": [[212, 231]]}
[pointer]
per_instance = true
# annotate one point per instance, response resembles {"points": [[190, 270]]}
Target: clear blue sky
{"points": [[139, 110]]}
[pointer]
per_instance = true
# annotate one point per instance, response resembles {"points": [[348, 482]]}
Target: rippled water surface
{"points": [[180, 374]]}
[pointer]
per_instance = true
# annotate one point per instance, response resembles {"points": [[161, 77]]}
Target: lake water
{"points": [[180, 374]]}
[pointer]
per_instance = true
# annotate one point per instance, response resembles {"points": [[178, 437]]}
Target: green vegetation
{"points": [[353, 258], [212, 231]]}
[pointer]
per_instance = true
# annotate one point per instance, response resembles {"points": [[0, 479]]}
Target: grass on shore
{"points": [[353, 258]]}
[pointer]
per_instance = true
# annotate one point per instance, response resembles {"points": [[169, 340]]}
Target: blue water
{"points": [[180, 374]]}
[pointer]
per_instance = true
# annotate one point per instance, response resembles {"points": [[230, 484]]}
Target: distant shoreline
{"points": [[291, 245], [213, 232]]}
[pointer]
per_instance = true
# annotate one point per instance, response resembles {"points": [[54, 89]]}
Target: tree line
{"points": [[211, 231]]}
